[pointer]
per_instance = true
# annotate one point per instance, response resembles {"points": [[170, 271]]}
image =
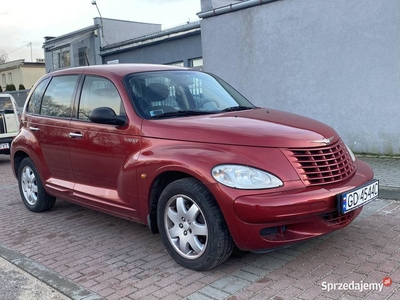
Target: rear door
{"points": [[51, 125], [101, 154]]}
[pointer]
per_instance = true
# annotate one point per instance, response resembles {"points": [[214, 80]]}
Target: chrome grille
{"points": [[322, 165]]}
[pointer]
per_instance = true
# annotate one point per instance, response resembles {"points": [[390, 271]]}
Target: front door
{"points": [[102, 155]]}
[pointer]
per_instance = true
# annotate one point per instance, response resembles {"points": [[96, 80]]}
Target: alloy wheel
{"points": [[186, 226]]}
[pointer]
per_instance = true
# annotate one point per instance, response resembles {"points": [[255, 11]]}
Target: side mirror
{"points": [[106, 115]]}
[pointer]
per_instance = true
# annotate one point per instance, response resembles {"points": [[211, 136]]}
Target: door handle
{"points": [[75, 135], [33, 128]]}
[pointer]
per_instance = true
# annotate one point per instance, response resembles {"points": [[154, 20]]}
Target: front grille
{"points": [[335, 219], [322, 165]]}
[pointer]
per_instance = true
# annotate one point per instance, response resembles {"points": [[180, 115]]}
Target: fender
{"points": [[159, 156]]}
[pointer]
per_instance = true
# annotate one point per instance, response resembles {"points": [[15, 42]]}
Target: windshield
{"points": [[167, 94], [5, 104]]}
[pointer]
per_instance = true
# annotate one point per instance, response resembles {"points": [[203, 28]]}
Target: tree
{"points": [[3, 56], [10, 87], [21, 87], [1, 89]]}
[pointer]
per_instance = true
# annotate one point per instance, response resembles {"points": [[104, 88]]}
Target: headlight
{"points": [[243, 177], [353, 157]]}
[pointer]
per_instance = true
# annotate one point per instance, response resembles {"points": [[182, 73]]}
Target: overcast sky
{"points": [[25, 21]]}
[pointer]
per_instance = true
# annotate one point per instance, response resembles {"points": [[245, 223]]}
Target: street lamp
{"points": [[101, 19]]}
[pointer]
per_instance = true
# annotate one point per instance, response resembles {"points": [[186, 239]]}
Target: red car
{"points": [[184, 153]]}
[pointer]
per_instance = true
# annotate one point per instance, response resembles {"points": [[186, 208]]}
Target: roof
{"points": [[51, 42], [12, 64], [19, 63], [175, 32], [116, 69], [235, 6]]}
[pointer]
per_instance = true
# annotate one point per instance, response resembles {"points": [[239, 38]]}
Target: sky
{"points": [[28, 21]]}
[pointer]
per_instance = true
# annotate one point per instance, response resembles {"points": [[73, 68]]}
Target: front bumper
{"points": [[273, 220]]}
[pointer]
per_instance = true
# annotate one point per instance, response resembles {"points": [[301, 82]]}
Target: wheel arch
{"points": [[17, 159], [157, 186]]}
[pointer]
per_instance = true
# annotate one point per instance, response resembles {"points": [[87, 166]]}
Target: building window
{"points": [[196, 63], [61, 58], [3, 77], [10, 78], [83, 58], [177, 64]]}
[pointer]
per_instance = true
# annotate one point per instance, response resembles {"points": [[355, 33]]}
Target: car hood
{"points": [[258, 127]]}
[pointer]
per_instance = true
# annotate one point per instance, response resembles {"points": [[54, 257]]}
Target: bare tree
{"points": [[3, 56]]}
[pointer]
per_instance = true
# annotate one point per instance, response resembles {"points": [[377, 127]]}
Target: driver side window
{"points": [[98, 92]]}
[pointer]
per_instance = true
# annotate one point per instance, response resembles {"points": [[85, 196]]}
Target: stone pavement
{"points": [[74, 253], [17, 284], [387, 170]]}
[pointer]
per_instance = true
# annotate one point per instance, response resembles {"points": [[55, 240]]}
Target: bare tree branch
{"points": [[3, 56]]}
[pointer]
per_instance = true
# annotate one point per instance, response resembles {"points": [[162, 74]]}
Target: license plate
{"points": [[4, 146], [357, 197]]}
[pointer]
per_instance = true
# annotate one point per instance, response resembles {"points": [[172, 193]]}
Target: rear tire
{"points": [[33, 195], [192, 226]]}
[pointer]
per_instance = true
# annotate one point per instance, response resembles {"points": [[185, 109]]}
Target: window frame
{"points": [[75, 110], [193, 63], [46, 82], [72, 100], [58, 63]]}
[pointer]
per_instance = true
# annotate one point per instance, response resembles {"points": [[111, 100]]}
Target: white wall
{"points": [[336, 61]]}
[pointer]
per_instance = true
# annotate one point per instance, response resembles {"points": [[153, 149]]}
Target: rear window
{"points": [[57, 98], [36, 98]]}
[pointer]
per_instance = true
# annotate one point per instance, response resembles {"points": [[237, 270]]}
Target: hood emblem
{"points": [[326, 141]]}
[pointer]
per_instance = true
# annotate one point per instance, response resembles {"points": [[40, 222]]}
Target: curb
{"points": [[47, 276], [388, 192]]}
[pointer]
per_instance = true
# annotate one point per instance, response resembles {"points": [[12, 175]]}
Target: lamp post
{"points": [[101, 19]]}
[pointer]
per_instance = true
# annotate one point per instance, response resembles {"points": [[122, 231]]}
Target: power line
{"points": [[26, 45]]}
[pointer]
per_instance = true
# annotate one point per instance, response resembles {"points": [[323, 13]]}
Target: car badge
{"points": [[325, 140]]}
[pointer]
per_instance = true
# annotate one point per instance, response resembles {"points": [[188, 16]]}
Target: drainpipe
{"points": [[232, 7]]}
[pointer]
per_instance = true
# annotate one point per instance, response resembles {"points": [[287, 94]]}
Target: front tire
{"points": [[31, 188], [192, 226]]}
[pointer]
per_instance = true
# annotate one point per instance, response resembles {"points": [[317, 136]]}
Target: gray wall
{"points": [[87, 42], [116, 31], [161, 53], [335, 61], [48, 58]]}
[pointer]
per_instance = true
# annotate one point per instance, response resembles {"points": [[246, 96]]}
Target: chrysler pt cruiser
{"points": [[184, 153]]}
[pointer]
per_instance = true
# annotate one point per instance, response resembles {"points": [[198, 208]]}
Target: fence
{"points": [[19, 96]]}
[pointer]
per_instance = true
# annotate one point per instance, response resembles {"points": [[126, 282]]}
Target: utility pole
{"points": [[30, 45]]}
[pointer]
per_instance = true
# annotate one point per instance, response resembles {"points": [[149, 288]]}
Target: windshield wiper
{"points": [[236, 108], [181, 113]]}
